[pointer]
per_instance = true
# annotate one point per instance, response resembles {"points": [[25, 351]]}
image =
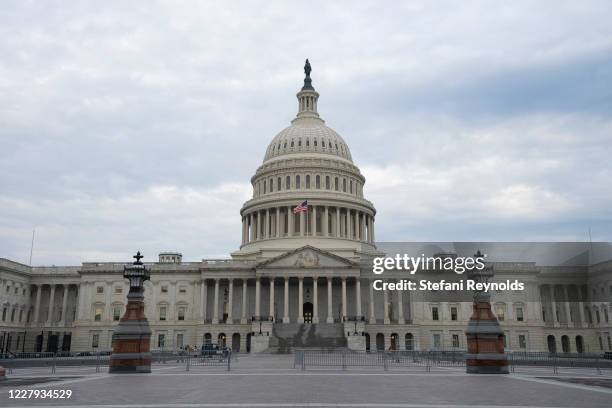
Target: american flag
{"points": [[301, 208]]}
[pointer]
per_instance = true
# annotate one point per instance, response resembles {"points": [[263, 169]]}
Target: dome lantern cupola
{"points": [[307, 97]]}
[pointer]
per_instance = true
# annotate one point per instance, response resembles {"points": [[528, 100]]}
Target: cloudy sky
{"points": [[137, 125]]}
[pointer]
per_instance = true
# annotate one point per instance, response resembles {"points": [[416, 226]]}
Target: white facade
{"points": [[290, 268]]}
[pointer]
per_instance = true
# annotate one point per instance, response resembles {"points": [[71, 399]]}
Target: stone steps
{"points": [[288, 336]]}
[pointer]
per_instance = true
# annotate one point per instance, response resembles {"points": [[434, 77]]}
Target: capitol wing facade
{"points": [[297, 279]]}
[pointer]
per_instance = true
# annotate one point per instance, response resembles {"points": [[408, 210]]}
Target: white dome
{"points": [[308, 135]]}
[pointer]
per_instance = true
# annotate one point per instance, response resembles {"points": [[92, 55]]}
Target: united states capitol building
{"points": [[300, 279]]}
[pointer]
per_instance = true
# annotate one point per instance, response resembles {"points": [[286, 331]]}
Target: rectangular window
{"points": [[436, 341], [499, 311], [519, 314], [4, 312], [13, 315], [16, 290], [161, 340], [181, 313], [179, 340], [20, 316], [434, 313], [95, 340], [162, 313], [116, 313], [453, 313], [455, 340], [182, 289], [522, 341], [118, 289], [99, 289], [164, 289], [98, 314]]}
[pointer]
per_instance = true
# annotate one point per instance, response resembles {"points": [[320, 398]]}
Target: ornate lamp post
{"points": [[131, 340], [485, 337]]}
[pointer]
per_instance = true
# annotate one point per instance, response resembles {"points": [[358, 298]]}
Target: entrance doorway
{"points": [[308, 312]]}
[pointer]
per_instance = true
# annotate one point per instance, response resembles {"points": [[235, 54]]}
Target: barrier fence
{"points": [[304, 358]]}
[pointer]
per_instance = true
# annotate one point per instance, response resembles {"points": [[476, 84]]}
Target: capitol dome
{"points": [[307, 162]]}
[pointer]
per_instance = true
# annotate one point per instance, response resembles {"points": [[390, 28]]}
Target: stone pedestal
{"points": [[356, 343], [260, 343], [131, 339], [485, 340]]}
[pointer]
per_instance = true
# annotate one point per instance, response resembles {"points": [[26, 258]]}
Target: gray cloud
{"points": [[139, 124]]}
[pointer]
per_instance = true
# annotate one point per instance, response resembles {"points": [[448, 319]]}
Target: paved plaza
{"points": [[271, 381]]}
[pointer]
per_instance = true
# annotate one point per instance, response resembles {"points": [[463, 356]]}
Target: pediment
{"points": [[307, 257]]}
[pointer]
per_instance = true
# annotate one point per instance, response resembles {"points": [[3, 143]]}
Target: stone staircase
{"points": [[288, 336]]}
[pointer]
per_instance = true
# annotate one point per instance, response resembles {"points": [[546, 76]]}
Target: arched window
{"points": [[308, 181], [351, 186], [336, 184], [271, 185], [315, 143], [299, 142], [292, 143], [278, 184], [288, 183], [565, 346], [318, 181], [307, 142], [327, 182], [343, 185], [297, 182], [264, 184], [552, 345], [323, 143], [409, 341]]}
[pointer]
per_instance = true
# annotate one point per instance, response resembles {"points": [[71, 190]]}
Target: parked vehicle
{"points": [[212, 349]]}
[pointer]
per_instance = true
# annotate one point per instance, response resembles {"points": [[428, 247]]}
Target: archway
{"points": [[393, 345], [409, 341], [236, 342], [380, 342], [248, 343], [552, 345], [367, 341], [221, 340], [207, 338], [579, 344], [565, 346], [308, 308]]}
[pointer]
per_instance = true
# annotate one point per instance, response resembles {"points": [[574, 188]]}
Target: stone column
{"points": [[37, 305], [358, 296], [64, 306], [252, 227], [554, 304], [583, 322], [568, 314], [203, 299], [337, 222], [267, 229], [286, 304], [230, 301], [290, 222], [343, 298], [372, 314], [215, 318], [257, 297], [400, 308], [363, 226], [301, 300], [302, 223], [315, 306], [330, 317], [357, 225], [243, 239], [51, 301], [324, 224], [313, 221], [243, 318], [372, 237], [387, 320], [349, 227], [277, 224], [259, 225], [272, 297]]}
